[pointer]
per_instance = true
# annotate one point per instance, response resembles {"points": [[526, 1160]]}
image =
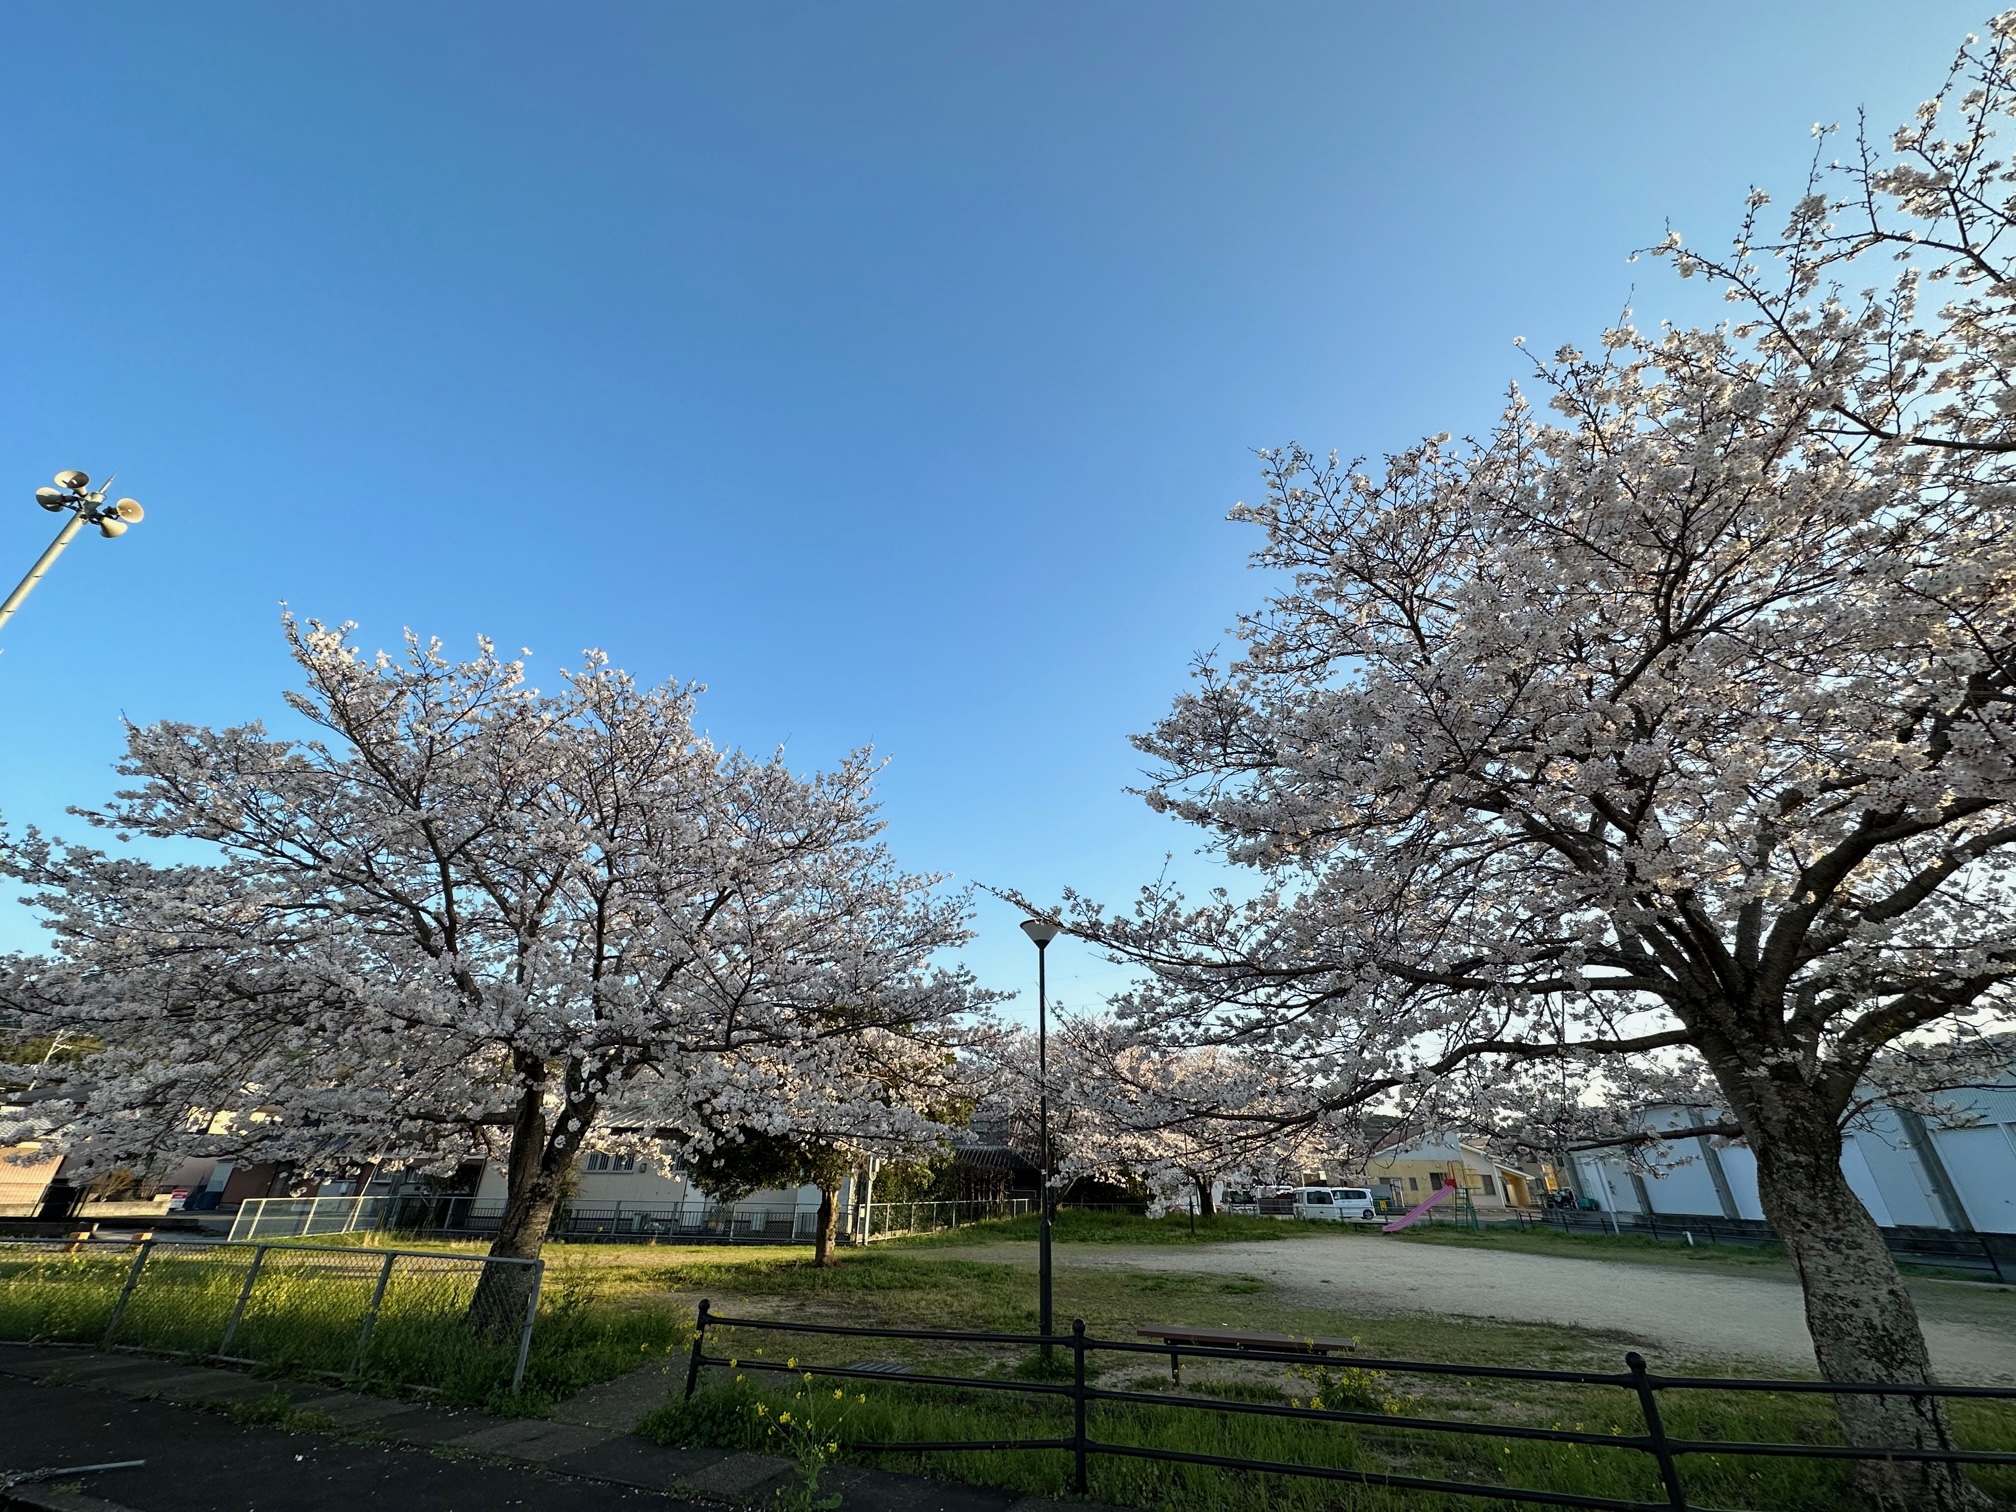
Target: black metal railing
{"points": [[1664, 1450], [1950, 1249]]}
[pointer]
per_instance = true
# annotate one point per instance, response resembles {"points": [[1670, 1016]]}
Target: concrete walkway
{"points": [[63, 1407], [1678, 1312]]}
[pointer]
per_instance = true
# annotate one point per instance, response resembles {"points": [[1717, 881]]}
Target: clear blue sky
{"points": [[889, 368]]}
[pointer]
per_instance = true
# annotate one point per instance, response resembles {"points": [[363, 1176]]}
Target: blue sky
{"points": [[888, 368]]}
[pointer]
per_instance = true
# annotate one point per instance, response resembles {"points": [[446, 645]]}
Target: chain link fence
{"points": [[395, 1317]]}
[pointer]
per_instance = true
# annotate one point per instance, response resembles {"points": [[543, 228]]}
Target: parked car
{"points": [[1355, 1204], [1324, 1204], [1247, 1203]]}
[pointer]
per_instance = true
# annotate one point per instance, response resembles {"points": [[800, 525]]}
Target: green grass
{"points": [[305, 1313]]}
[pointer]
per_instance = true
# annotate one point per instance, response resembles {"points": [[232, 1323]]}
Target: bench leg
{"points": [[1176, 1367]]}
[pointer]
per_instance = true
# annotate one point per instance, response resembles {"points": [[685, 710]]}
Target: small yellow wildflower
{"points": [[791, 1364], [838, 1394], [783, 1417]]}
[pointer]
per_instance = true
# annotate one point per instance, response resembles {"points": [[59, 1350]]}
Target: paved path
{"points": [[1690, 1310]]}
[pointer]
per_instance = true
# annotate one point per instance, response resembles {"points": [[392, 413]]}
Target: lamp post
{"points": [[73, 493], [1043, 932]]}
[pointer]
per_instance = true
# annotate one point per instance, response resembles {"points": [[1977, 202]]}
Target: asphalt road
{"points": [[1675, 1313]]}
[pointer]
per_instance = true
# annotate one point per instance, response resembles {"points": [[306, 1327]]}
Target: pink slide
{"points": [[1416, 1214]]}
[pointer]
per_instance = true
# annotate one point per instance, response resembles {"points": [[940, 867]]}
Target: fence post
{"points": [[531, 1317], [244, 1296], [1655, 1430], [699, 1343], [126, 1291], [371, 1313], [1078, 1405]]}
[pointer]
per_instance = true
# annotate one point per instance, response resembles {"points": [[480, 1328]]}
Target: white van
{"points": [[1334, 1204], [1355, 1204]]}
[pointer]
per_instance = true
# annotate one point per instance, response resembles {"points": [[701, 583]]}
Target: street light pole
{"points": [[1043, 932], [73, 493]]}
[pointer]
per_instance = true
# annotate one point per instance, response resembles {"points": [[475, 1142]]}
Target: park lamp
{"points": [[1043, 931], [74, 495]]}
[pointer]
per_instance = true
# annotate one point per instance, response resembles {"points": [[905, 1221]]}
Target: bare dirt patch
{"points": [[1679, 1312]]}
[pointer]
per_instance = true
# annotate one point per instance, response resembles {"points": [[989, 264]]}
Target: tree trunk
{"points": [[1862, 1319], [535, 1175], [1203, 1185], [822, 1238]]}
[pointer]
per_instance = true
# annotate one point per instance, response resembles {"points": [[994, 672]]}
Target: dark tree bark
{"points": [[1204, 1205], [822, 1240], [1863, 1321], [537, 1175]]}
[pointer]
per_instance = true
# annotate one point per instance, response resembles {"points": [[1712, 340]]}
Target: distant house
{"points": [[1419, 1167]]}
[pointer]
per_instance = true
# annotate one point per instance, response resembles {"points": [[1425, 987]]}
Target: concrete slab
{"points": [[35, 1359], [203, 1385], [738, 1477], [426, 1426], [348, 1409], [620, 1403], [130, 1377], [530, 1439], [632, 1461], [864, 1490]]}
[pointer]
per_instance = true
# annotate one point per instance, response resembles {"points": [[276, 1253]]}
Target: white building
{"points": [[1910, 1172]]}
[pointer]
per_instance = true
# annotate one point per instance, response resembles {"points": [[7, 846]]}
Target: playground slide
{"points": [[1415, 1214]]}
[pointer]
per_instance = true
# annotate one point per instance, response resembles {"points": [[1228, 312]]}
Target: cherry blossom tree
{"points": [[1183, 1120], [462, 908], [1674, 718]]}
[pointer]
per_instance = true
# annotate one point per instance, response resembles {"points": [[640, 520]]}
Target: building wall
{"points": [[24, 1174], [1416, 1169], [1885, 1162]]}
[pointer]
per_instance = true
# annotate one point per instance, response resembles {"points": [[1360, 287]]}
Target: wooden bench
{"points": [[1235, 1338]]}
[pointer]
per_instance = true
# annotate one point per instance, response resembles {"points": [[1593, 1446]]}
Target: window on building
{"points": [[1490, 1186], [1413, 1184], [1435, 1181], [602, 1160]]}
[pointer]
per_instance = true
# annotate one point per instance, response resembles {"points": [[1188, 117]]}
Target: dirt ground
{"points": [[1678, 1312]]}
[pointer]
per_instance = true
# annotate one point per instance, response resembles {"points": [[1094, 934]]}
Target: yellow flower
{"points": [[862, 1398], [838, 1394], [790, 1364], [783, 1417]]}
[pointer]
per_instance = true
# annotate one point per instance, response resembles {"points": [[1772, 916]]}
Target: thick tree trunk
{"points": [[822, 1239], [535, 1178], [1203, 1185], [1862, 1319]]}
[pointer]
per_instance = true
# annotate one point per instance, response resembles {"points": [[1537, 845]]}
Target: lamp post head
{"points": [[1042, 931]]}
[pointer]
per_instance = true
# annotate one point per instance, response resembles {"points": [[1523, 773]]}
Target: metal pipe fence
{"points": [[1665, 1451], [400, 1317], [1991, 1254], [886, 1219]]}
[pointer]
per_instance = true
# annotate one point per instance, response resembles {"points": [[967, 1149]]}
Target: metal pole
{"points": [[244, 1296], [1078, 1405], [1043, 1317], [699, 1343], [1655, 1431], [531, 1317], [371, 1313], [42, 564], [126, 1292]]}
